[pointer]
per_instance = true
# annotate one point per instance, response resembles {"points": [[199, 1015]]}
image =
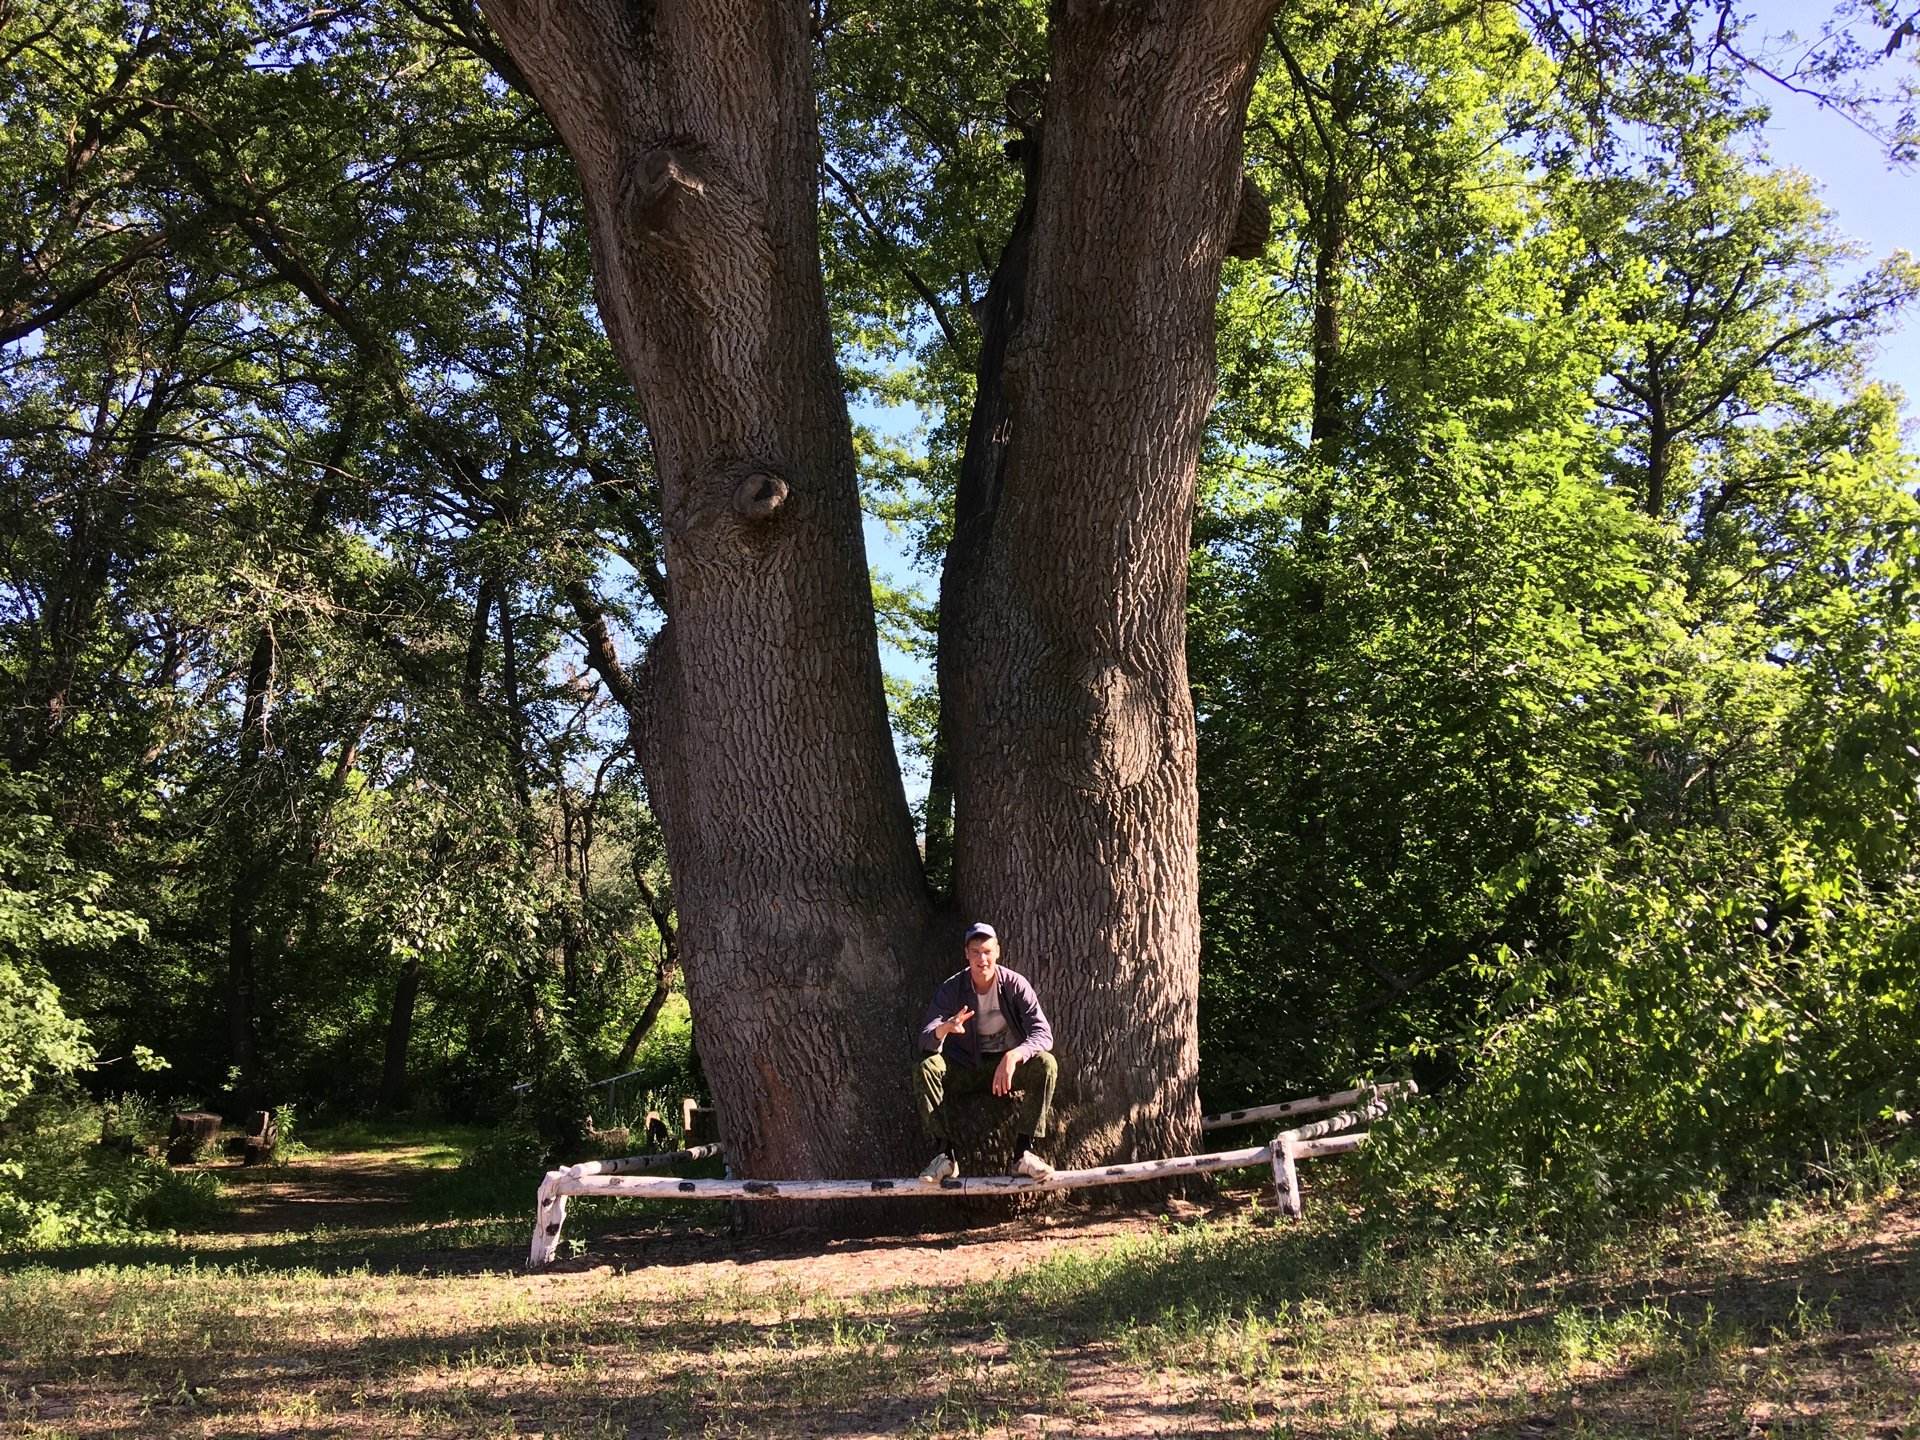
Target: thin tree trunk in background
{"points": [[393, 1068], [255, 743], [1659, 455], [767, 754], [649, 1017], [255, 737], [1328, 206], [661, 914], [476, 666], [516, 726]]}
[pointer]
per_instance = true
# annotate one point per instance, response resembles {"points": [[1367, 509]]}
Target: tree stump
{"points": [[698, 1123], [658, 1136], [613, 1141], [191, 1131], [262, 1136]]}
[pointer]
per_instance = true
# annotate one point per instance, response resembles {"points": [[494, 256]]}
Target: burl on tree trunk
{"points": [[759, 711]]}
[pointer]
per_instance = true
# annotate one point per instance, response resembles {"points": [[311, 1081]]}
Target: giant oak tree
{"points": [[809, 932]]}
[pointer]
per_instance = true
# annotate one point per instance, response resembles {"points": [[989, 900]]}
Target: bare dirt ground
{"points": [[363, 1190]]}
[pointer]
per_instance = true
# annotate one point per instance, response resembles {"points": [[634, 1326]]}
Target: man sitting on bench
{"points": [[985, 1030]]}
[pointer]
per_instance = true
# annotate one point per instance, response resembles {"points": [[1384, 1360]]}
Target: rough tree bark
{"points": [[766, 748], [1063, 651], [803, 908]]}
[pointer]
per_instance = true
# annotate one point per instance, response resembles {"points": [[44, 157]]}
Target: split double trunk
{"points": [[758, 712]]}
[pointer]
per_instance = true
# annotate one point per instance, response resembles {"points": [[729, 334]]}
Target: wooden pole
{"points": [[1333, 1124], [1286, 1175], [668, 1188], [1333, 1145], [549, 1214], [1311, 1105], [639, 1162]]}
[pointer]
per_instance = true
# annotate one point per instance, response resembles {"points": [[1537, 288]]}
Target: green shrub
{"points": [[285, 1123], [1713, 1028], [62, 1187], [497, 1177], [139, 1120]]}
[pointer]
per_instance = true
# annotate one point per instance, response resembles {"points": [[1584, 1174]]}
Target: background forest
{"points": [[1554, 615]]}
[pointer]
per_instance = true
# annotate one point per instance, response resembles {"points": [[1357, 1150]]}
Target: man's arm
{"points": [[940, 1022], [1032, 1019]]}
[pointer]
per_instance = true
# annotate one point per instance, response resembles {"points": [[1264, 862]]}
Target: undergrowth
{"points": [[60, 1187]]}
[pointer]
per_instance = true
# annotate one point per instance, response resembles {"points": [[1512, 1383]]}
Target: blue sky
{"points": [[1874, 204]]}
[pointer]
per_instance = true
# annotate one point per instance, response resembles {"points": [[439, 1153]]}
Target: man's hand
{"points": [[956, 1026], [1003, 1075]]}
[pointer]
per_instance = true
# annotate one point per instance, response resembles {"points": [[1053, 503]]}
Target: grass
{"points": [[413, 1141], [1803, 1322]]}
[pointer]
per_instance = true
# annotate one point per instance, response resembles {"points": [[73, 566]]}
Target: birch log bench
{"points": [[1337, 1134]]}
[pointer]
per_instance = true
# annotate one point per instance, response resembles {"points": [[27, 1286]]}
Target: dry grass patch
{"points": [[1806, 1323]]}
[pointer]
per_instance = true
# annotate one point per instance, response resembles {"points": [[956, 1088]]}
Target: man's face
{"points": [[983, 955]]}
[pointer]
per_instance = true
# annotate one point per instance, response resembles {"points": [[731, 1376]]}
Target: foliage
{"points": [[1552, 624], [308, 426], [46, 902], [1553, 643], [63, 1188]]}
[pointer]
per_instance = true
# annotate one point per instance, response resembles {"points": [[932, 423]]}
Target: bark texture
{"points": [[760, 709], [759, 713], [1063, 660]]}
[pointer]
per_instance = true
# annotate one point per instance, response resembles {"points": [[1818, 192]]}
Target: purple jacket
{"points": [[1017, 1002]]}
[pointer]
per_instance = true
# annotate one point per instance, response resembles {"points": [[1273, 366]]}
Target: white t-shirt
{"points": [[990, 1022]]}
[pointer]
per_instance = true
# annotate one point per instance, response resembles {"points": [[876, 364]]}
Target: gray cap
{"points": [[980, 930]]}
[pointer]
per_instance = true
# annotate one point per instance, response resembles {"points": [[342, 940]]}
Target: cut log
{"points": [[191, 1132], [615, 1138], [262, 1139], [1310, 1105]]}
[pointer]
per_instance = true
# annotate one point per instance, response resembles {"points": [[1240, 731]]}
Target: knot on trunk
{"points": [[1252, 222], [758, 494], [656, 186]]}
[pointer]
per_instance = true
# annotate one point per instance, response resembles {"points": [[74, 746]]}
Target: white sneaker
{"points": [[1033, 1167], [941, 1167]]}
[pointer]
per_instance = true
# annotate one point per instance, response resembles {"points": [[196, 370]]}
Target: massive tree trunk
{"points": [[765, 747], [763, 729], [1063, 653]]}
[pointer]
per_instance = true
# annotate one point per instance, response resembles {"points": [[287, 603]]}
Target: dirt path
{"points": [[354, 1190]]}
